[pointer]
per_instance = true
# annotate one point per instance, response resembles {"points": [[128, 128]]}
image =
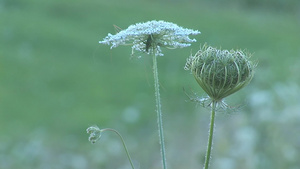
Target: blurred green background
{"points": [[56, 80]]}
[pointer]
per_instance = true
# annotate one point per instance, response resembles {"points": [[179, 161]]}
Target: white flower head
{"points": [[150, 36]]}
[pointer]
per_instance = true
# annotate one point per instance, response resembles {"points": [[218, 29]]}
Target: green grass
{"points": [[56, 80]]}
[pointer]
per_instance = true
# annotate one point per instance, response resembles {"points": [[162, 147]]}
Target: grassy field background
{"points": [[56, 80]]}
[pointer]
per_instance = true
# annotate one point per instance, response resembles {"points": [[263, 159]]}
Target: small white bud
{"points": [[95, 133]]}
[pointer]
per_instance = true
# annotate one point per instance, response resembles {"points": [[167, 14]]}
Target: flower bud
{"points": [[95, 133], [220, 73]]}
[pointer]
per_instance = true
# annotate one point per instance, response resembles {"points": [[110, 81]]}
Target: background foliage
{"points": [[56, 80]]}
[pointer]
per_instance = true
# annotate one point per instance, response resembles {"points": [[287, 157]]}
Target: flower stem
{"points": [[159, 113], [123, 142], [211, 133]]}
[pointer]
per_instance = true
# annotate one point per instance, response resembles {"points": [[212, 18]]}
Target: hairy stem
{"points": [[211, 133], [123, 142], [159, 113]]}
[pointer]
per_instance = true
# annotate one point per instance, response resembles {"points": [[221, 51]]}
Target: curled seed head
{"points": [[220, 73]]}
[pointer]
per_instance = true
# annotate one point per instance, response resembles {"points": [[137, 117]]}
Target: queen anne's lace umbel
{"points": [[150, 36]]}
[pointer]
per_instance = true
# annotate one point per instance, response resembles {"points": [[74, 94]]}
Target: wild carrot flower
{"points": [[219, 73], [150, 36]]}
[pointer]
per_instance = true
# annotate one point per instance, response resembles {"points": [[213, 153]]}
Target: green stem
{"points": [[211, 133], [159, 113], [123, 142]]}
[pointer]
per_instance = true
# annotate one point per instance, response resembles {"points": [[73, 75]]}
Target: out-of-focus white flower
{"points": [[150, 36]]}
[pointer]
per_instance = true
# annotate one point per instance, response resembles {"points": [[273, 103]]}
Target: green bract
{"points": [[220, 73]]}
